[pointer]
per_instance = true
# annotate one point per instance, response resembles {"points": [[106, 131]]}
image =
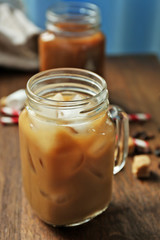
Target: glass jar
{"points": [[68, 134], [73, 38]]}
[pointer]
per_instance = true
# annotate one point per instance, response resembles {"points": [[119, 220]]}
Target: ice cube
{"points": [[80, 127], [58, 112], [57, 97], [77, 97], [98, 146], [57, 197], [37, 122], [74, 113], [65, 114]]}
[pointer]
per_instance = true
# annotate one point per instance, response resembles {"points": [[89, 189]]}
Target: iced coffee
{"points": [[72, 38], [67, 142]]}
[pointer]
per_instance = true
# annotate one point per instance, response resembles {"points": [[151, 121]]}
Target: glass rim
{"points": [[73, 73], [80, 12]]}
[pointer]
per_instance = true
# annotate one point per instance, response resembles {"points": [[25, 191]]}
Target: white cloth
{"points": [[18, 39]]}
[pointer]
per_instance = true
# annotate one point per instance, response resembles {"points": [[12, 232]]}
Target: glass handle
{"points": [[120, 118]]}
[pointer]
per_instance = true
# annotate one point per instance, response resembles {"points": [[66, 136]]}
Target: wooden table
{"points": [[134, 214]]}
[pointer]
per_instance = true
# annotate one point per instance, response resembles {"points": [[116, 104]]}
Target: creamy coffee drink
{"points": [[67, 166]]}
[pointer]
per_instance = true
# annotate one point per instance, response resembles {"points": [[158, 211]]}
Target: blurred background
{"points": [[131, 26]]}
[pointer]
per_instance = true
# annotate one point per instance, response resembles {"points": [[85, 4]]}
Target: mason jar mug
{"points": [[73, 37], [71, 141]]}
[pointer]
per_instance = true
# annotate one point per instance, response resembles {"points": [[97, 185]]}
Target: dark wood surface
{"points": [[134, 213]]}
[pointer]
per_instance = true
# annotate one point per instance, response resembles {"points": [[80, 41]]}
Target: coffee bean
{"points": [[143, 135], [157, 151]]}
